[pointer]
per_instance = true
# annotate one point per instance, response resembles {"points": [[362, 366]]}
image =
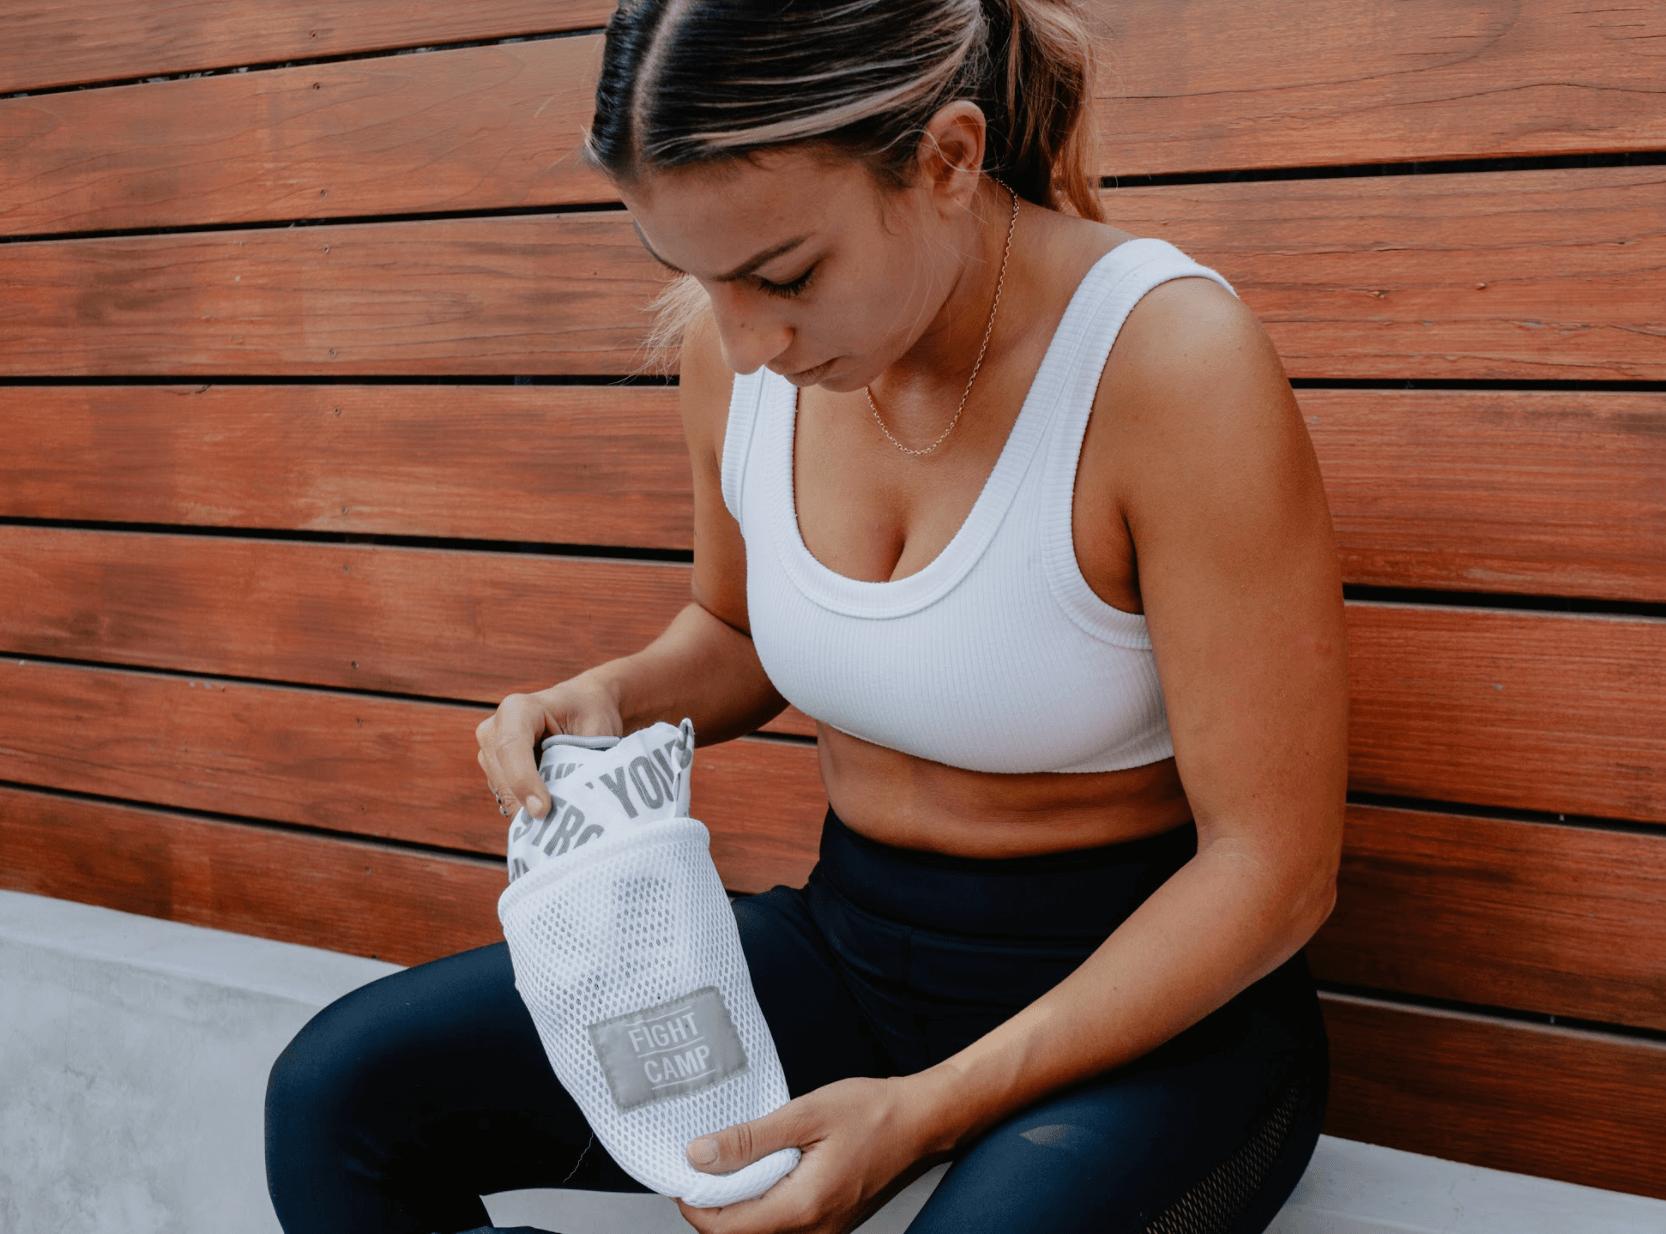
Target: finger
{"points": [[489, 766], [782, 1207], [739, 1144], [510, 759], [508, 801], [526, 782]]}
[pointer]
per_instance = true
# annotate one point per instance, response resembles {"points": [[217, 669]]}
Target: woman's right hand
{"points": [[509, 737]]}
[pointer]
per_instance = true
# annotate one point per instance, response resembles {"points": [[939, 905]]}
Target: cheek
{"points": [[905, 301], [870, 312]]}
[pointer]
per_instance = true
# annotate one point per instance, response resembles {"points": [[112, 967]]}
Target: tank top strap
{"points": [[1146, 262], [1149, 262], [744, 397]]}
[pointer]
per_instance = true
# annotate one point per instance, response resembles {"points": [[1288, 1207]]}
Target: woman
{"points": [[1070, 624]]}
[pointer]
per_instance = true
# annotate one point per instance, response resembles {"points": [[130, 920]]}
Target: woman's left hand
{"points": [[863, 1139]]}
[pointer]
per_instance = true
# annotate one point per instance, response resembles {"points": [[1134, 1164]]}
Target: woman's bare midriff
{"points": [[898, 798]]}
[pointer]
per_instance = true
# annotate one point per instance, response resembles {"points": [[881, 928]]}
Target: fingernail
{"points": [[534, 807], [704, 1152]]}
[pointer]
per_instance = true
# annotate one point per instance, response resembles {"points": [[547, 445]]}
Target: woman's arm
{"points": [[1242, 590], [1220, 923]]}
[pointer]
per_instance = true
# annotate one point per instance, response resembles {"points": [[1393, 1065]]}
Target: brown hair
{"points": [[705, 83]]}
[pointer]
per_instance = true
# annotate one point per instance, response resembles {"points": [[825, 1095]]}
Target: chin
{"points": [[821, 378], [836, 379]]}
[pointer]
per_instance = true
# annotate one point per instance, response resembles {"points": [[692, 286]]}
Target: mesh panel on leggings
{"points": [[1214, 1205]]}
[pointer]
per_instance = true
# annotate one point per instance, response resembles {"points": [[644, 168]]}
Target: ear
{"points": [[951, 157]]}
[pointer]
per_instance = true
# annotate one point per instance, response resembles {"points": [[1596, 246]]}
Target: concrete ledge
{"points": [[135, 1052]]}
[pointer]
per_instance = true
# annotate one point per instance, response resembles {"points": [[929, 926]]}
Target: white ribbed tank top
{"points": [[997, 656]]}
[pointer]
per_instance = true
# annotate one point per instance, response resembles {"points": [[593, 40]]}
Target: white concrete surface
{"points": [[133, 1060]]}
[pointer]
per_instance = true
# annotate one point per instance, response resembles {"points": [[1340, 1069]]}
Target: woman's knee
{"points": [[367, 1042], [328, 1060]]}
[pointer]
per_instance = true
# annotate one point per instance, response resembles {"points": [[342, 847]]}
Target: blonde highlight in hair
{"points": [[708, 84]]}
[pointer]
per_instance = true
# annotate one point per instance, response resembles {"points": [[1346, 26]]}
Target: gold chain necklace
{"points": [[1013, 223]]}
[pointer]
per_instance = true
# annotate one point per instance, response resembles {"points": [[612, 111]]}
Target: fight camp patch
{"points": [[661, 1051]]}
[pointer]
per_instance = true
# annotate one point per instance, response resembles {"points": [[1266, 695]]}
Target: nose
{"points": [[747, 345]]}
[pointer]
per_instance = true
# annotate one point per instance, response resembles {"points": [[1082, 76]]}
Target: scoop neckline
{"points": [[893, 597]]}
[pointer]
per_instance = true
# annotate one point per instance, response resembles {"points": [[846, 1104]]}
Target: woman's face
{"points": [[848, 281]]}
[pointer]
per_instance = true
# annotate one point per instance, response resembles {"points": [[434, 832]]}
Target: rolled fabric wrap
{"points": [[601, 787], [627, 955]]}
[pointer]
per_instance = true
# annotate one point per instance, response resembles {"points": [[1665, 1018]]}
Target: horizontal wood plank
{"points": [[1563, 920], [1220, 83], [1568, 920], [87, 40], [1582, 1106], [1550, 274], [1451, 1084], [1520, 491], [359, 765], [1558, 712], [1211, 85], [1548, 711], [1427, 488], [1478, 276], [389, 903], [592, 465]]}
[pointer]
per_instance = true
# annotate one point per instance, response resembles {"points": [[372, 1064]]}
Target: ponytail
{"points": [[1039, 103]]}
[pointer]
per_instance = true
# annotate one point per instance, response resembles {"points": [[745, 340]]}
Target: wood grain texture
{"points": [[343, 761], [1491, 912], [1454, 703], [593, 465], [1543, 492], [1582, 1106], [85, 40], [1213, 84], [1502, 276], [1495, 276], [1182, 88], [1532, 916], [1539, 492], [1544, 711]]}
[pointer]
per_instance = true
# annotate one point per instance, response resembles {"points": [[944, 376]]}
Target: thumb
{"points": [[721, 1152]]}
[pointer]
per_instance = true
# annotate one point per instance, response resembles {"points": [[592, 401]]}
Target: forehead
{"points": [[740, 207]]}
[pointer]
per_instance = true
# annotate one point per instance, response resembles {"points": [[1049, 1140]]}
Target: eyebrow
{"points": [[740, 271]]}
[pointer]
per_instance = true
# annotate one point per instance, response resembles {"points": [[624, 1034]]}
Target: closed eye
{"points": [[793, 288], [796, 287]]}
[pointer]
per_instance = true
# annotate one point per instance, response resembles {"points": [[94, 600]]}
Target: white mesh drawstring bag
{"points": [[626, 953]]}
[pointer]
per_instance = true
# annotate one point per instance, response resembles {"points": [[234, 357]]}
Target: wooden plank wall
{"points": [[314, 448]]}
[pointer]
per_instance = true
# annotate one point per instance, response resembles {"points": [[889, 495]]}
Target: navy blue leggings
{"points": [[401, 1103]]}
